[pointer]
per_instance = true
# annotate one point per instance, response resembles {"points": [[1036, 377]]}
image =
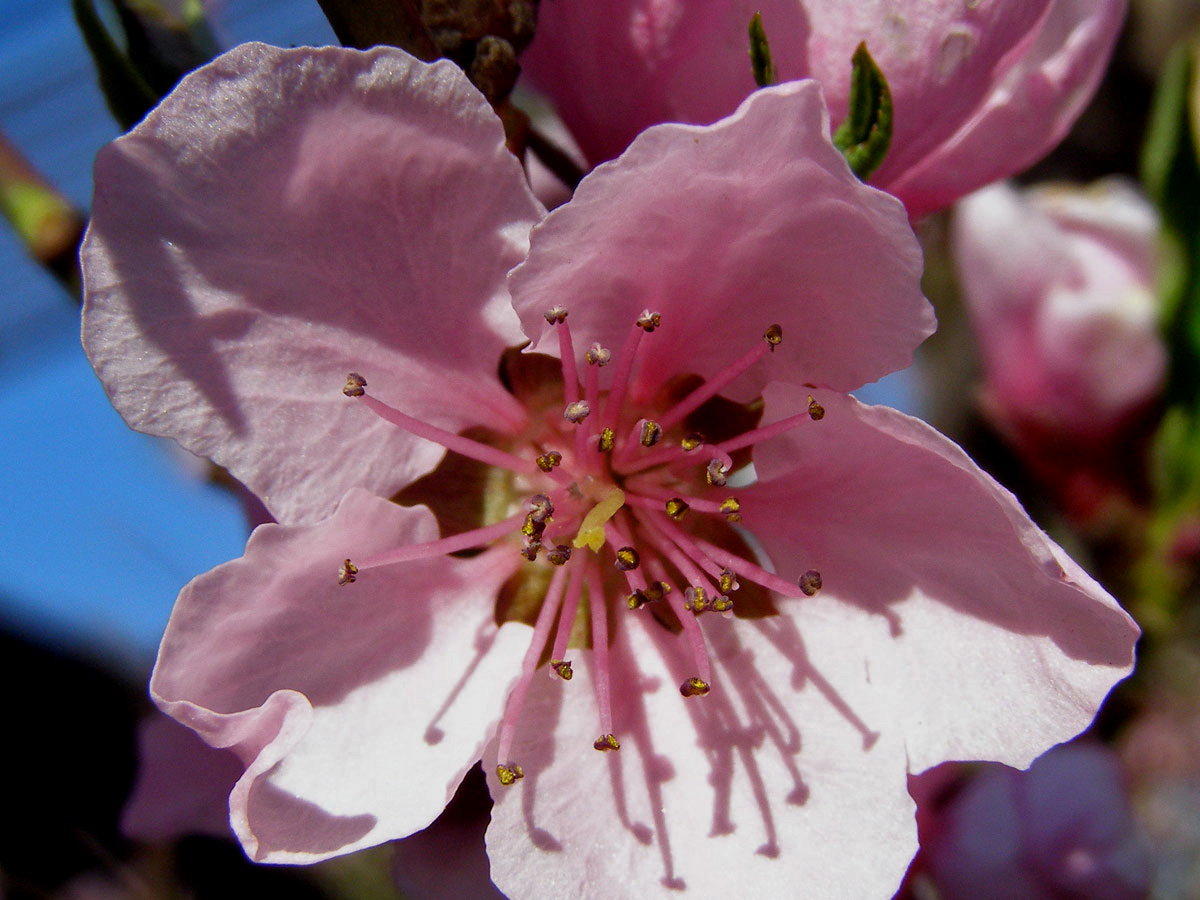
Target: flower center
{"points": [[618, 504]]}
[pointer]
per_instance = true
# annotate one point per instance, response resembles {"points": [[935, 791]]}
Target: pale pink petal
{"points": [[448, 861], [771, 784], [1029, 108], [356, 709], [990, 643], [725, 230], [283, 218], [182, 785]]}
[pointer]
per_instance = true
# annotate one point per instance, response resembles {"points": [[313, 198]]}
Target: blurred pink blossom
{"points": [[981, 89], [287, 217], [1060, 287]]}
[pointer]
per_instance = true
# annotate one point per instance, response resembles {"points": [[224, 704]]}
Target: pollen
{"points": [[651, 433], [637, 600], [694, 687], [773, 337], [559, 555], [627, 559], [606, 742], [691, 441], [509, 774], [696, 599], [605, 440], [731, 508], [810, 582], [354, 385], [548, 461], [677, 508], [347, 573], [728, 581], [562, 668]]}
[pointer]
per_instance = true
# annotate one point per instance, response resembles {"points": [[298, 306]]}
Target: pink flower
{"points": [[1059, 283], [981, 90], [1060, 831], [286, 217]]}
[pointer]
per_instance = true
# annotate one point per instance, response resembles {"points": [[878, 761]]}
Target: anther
{"points": [[637, 600], [347, 573], [627, 559], [693, 687], [651, 433], [816, 411], [576, 412], [562, 668], [727, 581], [606, 742], [548, 461], [648, 321], [656, 590], [605, 440], [533, 527], [696, 599], [691, 441], [773, 336], [540, 508], [598, 356], [677, 508], [354, 385], [810, 582], [731, 508], [556, 315], [559, 555], [716, 473], [509, 774], [722, 603], [531, 548]]}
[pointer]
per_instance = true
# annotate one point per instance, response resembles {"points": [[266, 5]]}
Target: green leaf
{"points": [[128, 95], [866, 133], [760, 53]]}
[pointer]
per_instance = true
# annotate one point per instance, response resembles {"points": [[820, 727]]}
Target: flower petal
{"points": [[1030, 106], [285, 217], [356, 709], [757, 213], [764, 784], [992, 643]]}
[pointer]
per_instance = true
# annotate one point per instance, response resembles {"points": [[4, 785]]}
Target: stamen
{"points": [[556, 315], [773, 336], [693, 687], [566, 353], [712, 386], [456, 442], [479, 537], [562, 668], [650, 433], [810, 582], [509, 772], [716, 473], [695, 638], [757, 435], [354, 385], [620, 385], [604, 441], [816, 411], [559, 555], [732, 509], [747, 569], [577, 411], [566, 619], [627, 559], [727, 581], [540, 507], [598, 356], [548, 461], [648, 321], [676, 508], [602, 679], [691, 441], [347, 572]]}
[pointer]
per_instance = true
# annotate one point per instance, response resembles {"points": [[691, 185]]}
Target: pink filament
{"points": [[567, 620], [750, 438], [651, 497], [479, 537], [600, 648], [748, 570], [456, 442], [566, 350], [620, 385], [709, 389], [516, 698]]}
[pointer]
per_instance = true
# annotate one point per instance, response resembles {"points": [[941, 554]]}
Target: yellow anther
{"points": [[576, 412], [556, 315], [606, 742], [531, 549], [722, 604], [656, 590], [605, 442], [562, 668], [559, 555], [773, 336], [716, 473], [648, 321], [694, 687], [591, 529], [347, 573], [637, 600], [651, 433], [548, 461], [732, 509], [354, 385], [677, 508], [728, 581], [540, 508], [598, 356], [509, 774], [627, 559], [696, 599], [810, 582], [816, 411], [691, 441], [531, 527]]}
